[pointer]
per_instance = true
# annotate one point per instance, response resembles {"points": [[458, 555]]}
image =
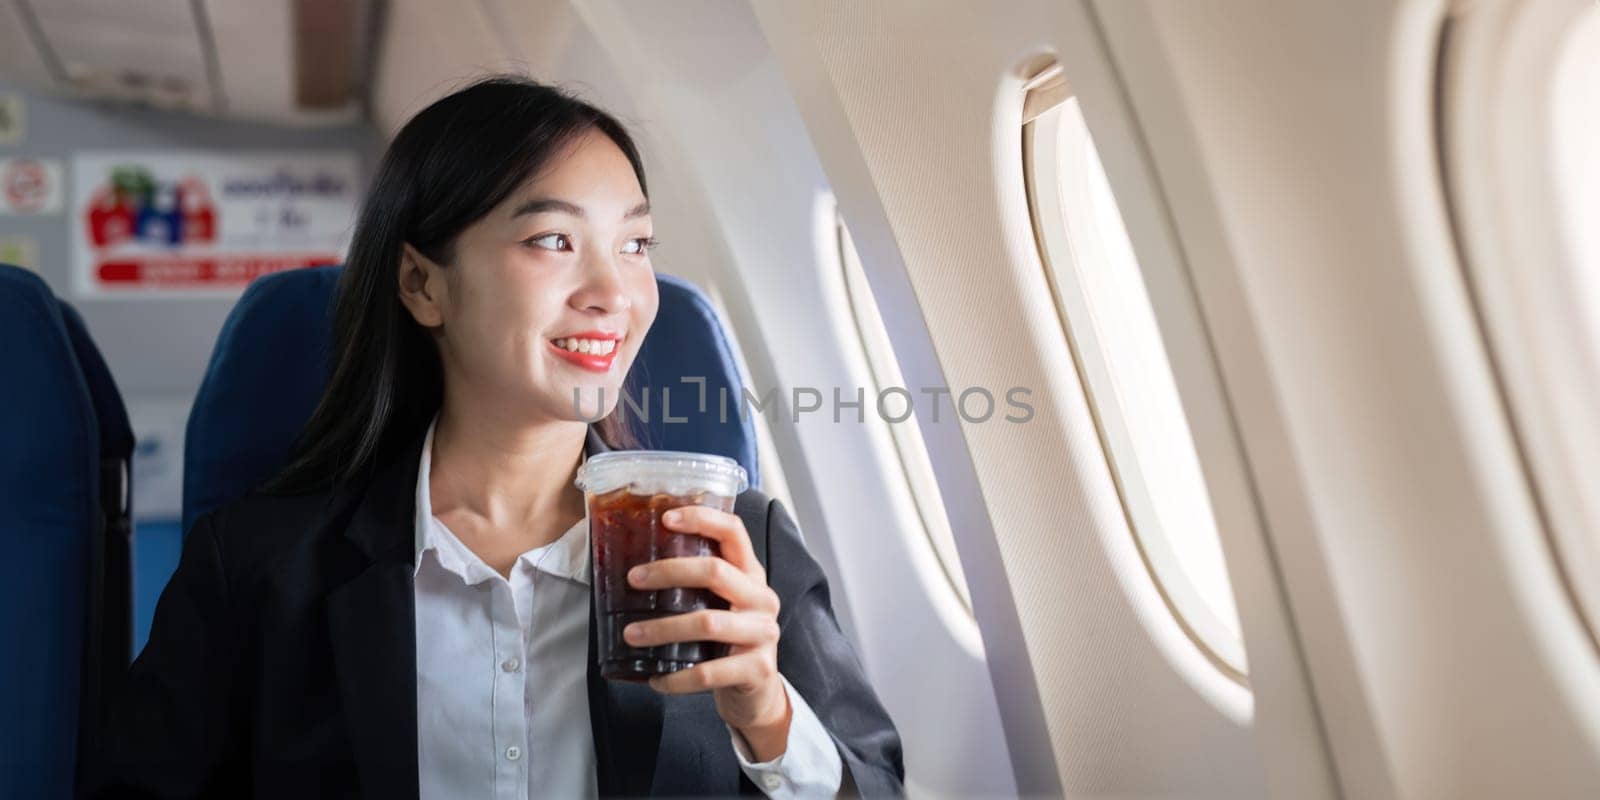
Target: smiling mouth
{"points": [[592, 352], [595, 347]]}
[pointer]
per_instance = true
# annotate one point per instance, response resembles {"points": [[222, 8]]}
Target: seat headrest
{"points": [[266, 374], [116, 432], [687, 340], [49, 517]]}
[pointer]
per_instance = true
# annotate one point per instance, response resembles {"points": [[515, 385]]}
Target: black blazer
{"points": [[282, 663]]}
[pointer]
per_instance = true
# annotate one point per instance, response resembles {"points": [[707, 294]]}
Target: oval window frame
{"points": [[1223, 646], [1495, 85]]}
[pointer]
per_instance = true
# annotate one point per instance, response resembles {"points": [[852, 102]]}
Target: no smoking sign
{"points": [[30, 186]]}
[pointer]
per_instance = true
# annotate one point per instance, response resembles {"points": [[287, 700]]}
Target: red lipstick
{"points": [[594, 342]]}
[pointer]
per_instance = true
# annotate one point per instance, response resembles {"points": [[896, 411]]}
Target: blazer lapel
{"points": [[372, 622], [624, 718]]}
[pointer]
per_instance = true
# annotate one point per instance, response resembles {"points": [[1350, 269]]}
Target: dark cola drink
{"points": [[627, 492]]}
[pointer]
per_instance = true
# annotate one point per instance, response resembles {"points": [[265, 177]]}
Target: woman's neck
{"points": [[505, 485]]}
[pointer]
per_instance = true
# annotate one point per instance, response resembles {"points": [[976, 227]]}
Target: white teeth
{"points": [[596, 347]]}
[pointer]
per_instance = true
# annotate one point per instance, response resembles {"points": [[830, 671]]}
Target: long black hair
{"points": [[447, 168]]}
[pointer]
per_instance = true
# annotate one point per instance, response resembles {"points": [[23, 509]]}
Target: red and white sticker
{"points": [[30, 186]]}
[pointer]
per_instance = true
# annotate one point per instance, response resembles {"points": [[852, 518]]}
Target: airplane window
{"points": [[1109, 318], [1556, 408], [907, 435], [1577, 159], [1575, 172], [1521, 120]]}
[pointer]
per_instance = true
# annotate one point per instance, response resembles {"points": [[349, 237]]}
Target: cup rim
{"points": [[608, 471]]}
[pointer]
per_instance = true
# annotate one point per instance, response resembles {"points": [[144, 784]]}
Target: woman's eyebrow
{"points": [[540, 205]]}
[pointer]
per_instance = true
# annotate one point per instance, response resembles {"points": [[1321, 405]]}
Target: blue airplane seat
{"points": [[270, 365], [116, 494], [267, 372], [50, 521], [687, 341]]}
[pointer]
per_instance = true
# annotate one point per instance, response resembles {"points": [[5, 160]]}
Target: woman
{"points": [[405, 610]]}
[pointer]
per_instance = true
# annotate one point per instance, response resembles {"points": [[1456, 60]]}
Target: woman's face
{"points": [[549, 295]]}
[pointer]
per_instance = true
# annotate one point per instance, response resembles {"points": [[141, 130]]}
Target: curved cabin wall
{"points": [[1298, 148]]}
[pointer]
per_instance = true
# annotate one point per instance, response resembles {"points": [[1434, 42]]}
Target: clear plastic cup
{"points": [[625, 493]]}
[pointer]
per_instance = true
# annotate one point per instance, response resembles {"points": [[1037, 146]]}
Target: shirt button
{"points": [[513, 753], [771, 781], [511, 664]]}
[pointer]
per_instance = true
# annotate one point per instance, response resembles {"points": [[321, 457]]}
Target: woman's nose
{"points": [[602, 288]]}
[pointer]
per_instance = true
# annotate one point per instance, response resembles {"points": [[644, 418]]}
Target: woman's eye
{"points": [[639, 246], [550, 241]]}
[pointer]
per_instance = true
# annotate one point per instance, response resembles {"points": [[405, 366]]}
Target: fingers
{"points": [[726, 529], [752, 668], [712, 625], [741, 589]]}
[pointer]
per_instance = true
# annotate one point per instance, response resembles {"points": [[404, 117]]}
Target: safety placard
{"points": [[204, 224]]}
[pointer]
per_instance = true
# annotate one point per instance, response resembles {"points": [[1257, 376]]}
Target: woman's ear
{"points": [[422, 287]]}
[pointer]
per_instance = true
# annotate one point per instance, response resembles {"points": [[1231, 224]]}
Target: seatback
{"points": [[267, 370], [270, 366], [116, 494], [687, 343], [49, 521]]}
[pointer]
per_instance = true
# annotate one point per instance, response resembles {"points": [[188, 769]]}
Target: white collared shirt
{"points": [[502, 670]]}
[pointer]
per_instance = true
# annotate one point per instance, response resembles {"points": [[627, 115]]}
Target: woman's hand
{"points": [[748, 691]]}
